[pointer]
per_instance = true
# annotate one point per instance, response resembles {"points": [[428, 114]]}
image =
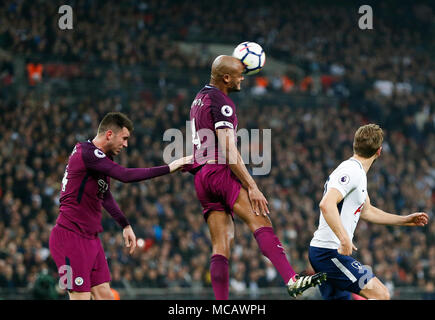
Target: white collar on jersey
{"points": [[359, 162]]}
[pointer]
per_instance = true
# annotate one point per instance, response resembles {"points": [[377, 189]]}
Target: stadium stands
{"points": [[124, 56]]}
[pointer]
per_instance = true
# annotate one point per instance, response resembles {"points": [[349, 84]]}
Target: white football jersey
{"points": [[351, 180]]}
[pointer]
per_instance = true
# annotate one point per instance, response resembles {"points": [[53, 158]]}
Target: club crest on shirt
{"points": [[227, 110], [78, 281], [99, 153], [344, 179]]}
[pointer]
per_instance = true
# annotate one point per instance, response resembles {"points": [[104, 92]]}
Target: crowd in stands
{"points": [[129, 49]]}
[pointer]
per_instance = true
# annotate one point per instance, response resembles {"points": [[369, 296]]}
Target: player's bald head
{"points": [[225, 65]]}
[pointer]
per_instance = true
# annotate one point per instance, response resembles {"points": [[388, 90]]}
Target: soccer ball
{"points": [[252, 56]]}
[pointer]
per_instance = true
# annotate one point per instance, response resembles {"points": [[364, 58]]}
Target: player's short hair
{"points": [[115, 121], [368, 139]]}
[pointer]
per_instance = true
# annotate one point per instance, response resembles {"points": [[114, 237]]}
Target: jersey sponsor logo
{"points": [[78, 281], [99, 154], [344, 179], [103, 186], [359, 209], [227, 110]]}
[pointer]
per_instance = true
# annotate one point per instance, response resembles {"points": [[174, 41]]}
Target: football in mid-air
{"points": [[252, 56]]}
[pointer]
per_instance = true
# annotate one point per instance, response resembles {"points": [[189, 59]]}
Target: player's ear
{"points": [[109, 134], [378, 153], [226, 78]]}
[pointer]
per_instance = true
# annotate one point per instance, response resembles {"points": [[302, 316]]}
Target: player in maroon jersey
{"points": [[74, 243], [226, 187]]}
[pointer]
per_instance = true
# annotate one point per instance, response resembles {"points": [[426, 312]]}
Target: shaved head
{"points": [[225, 70], [225, 65]]}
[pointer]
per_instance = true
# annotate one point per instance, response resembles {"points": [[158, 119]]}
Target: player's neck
{"points": [[366, 162], [221, 86], [99, 143]]}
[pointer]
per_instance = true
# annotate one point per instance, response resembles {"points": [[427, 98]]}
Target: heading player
{"points": [[344, 202], [226, 187], [74, 242]]}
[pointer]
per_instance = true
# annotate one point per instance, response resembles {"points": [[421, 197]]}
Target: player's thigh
{"points": [[375, 289], [100, 270], [330, 292], [344, 273], [102, 292], [74, 295], [221, 226], [243, 209], [74, 257]]}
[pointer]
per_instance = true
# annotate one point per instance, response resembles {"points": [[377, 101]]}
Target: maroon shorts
{"points": [[81, 262], [217, 188]]}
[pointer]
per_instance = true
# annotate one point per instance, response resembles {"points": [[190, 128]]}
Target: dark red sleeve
{"points": [[113, 209]]}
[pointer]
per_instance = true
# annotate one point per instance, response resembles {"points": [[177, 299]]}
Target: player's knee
{"points": [[384, 294], [103, 293], [109, 295], [379, 293]]}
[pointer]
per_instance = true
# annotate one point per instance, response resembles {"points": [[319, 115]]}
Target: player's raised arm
{"points": [[372, 214], [330, 212], [227, 143]]}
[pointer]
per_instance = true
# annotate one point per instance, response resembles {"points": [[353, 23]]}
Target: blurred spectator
{"points": [[34, 72], [44, 287]]}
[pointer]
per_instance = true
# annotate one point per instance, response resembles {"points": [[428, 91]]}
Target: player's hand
{"points": [[180, 163], [417, 219], [129, 238], [258, 201], [346, 247]]}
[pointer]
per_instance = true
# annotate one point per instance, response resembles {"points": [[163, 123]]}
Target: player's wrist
{"points": [[344, 239], [404, 220], [172, 167], [251, 185]]}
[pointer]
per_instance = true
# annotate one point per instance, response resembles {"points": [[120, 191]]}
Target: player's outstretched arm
{"points": [[372, 214], [329, 208], [99, 162], [227, 143]]}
